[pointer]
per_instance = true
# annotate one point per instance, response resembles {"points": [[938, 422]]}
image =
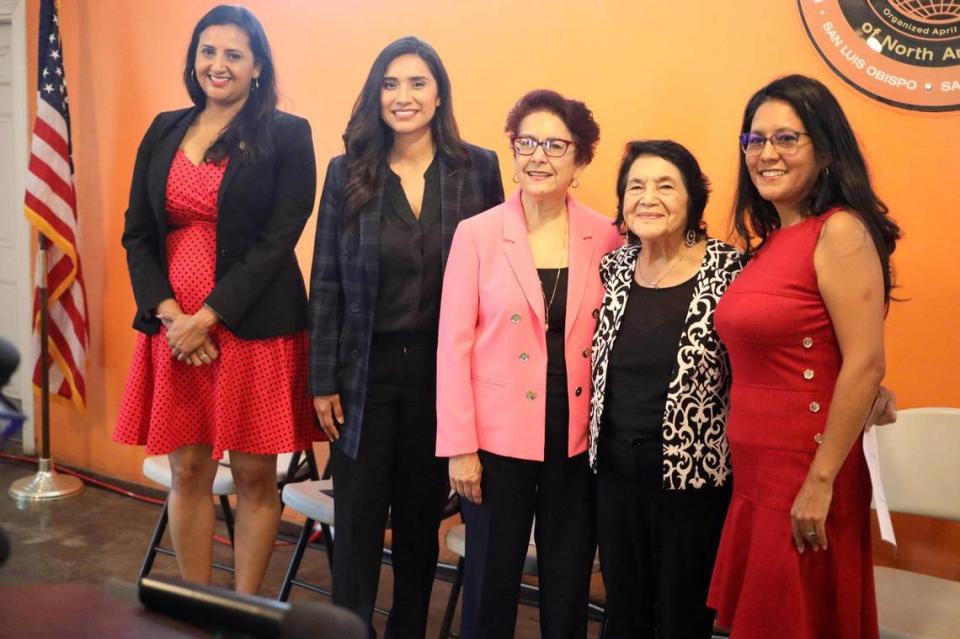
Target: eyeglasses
{"points": [[552, 147], [785, 142]]}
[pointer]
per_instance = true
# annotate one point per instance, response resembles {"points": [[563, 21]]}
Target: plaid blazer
{"points": [[343, 282]]}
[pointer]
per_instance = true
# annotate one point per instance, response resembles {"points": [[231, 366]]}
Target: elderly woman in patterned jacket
{"points": [[660, 392]]}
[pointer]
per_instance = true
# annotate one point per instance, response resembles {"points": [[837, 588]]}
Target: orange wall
{"points": [[646, 68]]}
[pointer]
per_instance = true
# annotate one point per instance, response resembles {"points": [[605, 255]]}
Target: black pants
{"points": [[657, 546], [558, 491], [396, 469]]}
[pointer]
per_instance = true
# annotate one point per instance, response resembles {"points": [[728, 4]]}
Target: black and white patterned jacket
{"points": [[695, 452]]}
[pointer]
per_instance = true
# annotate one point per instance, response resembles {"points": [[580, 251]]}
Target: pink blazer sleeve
{"points": [[459, 307]]}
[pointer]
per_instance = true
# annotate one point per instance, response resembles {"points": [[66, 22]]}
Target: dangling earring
{"points": [[256, 84], [193, 76], [575, 183], [516, 178], [826, 172], [690, 238]]}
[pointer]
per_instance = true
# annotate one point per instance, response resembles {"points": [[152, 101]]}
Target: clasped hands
{"points": [[188, 335]]}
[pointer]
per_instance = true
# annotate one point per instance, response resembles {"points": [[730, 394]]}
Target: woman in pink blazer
{"points": [[520, 299]]}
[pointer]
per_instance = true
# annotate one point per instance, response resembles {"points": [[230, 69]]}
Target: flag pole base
{"points": [[45, 485]]}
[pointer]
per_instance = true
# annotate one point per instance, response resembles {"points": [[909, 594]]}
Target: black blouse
{"points": [[643, 360], [408, 290], [550, 279]]}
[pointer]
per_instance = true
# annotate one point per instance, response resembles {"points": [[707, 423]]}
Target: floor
{"points": [[100, 536]]}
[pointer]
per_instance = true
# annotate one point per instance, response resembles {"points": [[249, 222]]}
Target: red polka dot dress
{"points": [[254, 397]]}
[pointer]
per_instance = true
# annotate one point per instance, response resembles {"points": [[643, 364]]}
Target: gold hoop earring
{"points": [[516, 178], [575, 183]]}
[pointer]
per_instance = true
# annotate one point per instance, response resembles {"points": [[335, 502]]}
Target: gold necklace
{"points": [[656, 283], [556, 283]]}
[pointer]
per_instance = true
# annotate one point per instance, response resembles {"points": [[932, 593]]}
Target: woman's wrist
{"points": [[820, 476], [167, 307], [207, 317]]}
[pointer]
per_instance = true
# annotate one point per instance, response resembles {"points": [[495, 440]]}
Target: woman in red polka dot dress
{"points": [[220, 195]]}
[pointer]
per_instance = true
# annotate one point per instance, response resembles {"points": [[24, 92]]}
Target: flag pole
{"points": [[46, 484]]}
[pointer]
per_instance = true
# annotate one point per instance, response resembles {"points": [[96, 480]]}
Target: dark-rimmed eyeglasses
{"points": [[785, 142], [552, 147]]}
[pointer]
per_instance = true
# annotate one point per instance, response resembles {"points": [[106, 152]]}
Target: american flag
{"points": [[51, 207]]}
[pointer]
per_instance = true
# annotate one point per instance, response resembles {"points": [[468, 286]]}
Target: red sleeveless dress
{"points": [[254, 397], [785, 360]]}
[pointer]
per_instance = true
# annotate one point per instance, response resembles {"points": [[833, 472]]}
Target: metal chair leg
{"points": [[452, 601], [295, 560], [290, 579], [154, 543], [227, 516], [328, 544]]}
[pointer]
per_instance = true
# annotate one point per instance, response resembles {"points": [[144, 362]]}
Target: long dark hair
{"points": [[696, 183], [845, 181], [368, 139], [249, 132]]}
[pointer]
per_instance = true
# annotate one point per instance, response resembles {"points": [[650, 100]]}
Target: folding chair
{"points": [[157, 468], [918, 460]]}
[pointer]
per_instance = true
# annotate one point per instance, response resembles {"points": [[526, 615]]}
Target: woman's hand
{"points": [[205, 355], [168, 307], [465, 473], [808, 516], [186, 333], [884, 409], [330, 414]]}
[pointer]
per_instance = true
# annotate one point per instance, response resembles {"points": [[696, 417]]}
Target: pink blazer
{"points": [[492, 352]]}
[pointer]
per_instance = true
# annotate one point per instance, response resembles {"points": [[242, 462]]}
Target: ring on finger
{"points": [[810, 534]]}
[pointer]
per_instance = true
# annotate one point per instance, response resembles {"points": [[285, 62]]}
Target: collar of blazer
{"points": [[166, 148], [580, 255]]}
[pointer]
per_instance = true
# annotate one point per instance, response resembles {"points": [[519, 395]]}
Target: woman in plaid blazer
{"points": [[388, 211]]}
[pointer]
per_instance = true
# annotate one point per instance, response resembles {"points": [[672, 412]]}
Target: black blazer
{"points": [[346, 264], [263, 206]]}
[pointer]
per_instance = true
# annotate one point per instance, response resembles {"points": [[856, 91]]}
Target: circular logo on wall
{"points": [[902, 52]]}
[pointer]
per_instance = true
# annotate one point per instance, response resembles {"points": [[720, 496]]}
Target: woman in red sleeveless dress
{"points": [[220, 195], [803, 324]]}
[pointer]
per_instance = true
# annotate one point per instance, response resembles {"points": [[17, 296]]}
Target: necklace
{"points": [[656, 283], [556, 283]]}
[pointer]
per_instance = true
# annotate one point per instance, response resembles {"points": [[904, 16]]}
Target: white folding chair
{"points": [[157, 469], [313, 500], [920, 464]]}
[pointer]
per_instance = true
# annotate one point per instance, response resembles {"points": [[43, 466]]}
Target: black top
{"points": [[551, 278], [408, 291], [643, 359]]}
